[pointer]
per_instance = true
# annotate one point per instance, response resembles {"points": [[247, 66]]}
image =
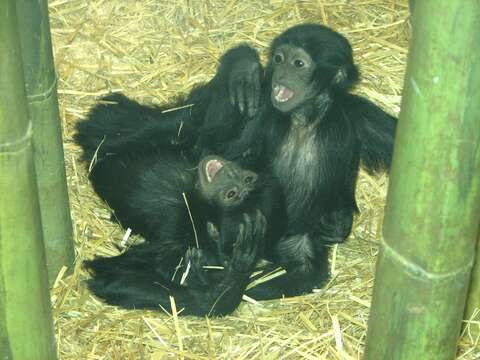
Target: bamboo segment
{"points": [[473, 300], [40, 80], [433, 204], [5, 351], [26, 328]]}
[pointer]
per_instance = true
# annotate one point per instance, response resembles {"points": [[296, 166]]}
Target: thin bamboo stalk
{"points": [[40, 82], [26, 328], [433, 203]]}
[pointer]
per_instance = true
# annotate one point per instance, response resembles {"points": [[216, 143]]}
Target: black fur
{"points": [[145, 276], [145, 190], [315, 150]]}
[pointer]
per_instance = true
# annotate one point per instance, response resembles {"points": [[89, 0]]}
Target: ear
{"points": [[213, 232], [345, 77], [340, 76]]}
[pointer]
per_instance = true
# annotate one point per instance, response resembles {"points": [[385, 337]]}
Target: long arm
{"points": [[212, 115], [376, 132], [230, 100]]}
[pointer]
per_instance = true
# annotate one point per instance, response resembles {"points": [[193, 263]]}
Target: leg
{"points": [[306, 266], [160, 259], [119, 124], [334, 227], [212, 293]]}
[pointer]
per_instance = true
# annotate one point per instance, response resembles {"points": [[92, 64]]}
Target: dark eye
{"points": [[248, 179], [299, 63], [277, 59], [231, 194]]}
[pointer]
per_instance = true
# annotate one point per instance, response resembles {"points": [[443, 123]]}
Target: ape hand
{"points": [[244, 85], [197, 275], [250, 235]]}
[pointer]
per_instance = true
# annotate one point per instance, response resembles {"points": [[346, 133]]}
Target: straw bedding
{"points": [[154, 50]]}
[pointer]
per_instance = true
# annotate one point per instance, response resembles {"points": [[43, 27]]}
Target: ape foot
{"points": [[336, 226]]}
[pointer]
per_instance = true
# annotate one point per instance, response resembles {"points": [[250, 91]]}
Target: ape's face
{"points": [[224, 183], [292, 69]]}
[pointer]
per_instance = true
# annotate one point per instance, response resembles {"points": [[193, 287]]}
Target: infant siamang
{"points": [[215, 213]]}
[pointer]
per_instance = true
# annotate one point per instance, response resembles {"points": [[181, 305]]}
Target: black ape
{"points": [[146, 191], [297, 121], [314, 135]]}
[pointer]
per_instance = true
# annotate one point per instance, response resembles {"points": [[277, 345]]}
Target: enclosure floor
{"points": [[154, 50]]}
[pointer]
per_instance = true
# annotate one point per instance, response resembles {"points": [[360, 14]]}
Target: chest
{"points": [[298, 165], [299, 152]]}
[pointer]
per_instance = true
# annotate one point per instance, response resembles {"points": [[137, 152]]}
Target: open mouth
{"points": [[281, 93], [212, 167]]}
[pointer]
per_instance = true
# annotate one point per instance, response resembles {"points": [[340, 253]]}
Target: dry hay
{"points": [[154, 50]]}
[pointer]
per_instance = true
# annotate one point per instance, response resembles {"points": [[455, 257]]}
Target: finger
{"points": [[248, 224], [188, 254], [257, 90], [198, 271], [213, 232], [259, 215], [240, 235], [241, 96], [249, 233], [231, 91], [249, 94], [193, 257], [195, 263], [252, 95], [261, 222]]}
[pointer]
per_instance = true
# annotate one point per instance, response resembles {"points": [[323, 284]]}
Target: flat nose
{"points": [[244, 193], [254, 178]]}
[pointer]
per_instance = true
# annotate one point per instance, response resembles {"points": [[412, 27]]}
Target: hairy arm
{"points": [[118, 124], [230, 100]]}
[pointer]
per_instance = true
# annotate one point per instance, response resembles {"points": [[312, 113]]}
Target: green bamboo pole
{"points": [[26, 328], [473, 300], [40, 80], [5, 350], [433, 204]]}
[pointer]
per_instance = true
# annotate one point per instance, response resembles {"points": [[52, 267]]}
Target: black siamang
{"points": [[178, 206], [295, 119]]}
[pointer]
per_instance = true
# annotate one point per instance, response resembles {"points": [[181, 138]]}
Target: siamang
{"points": [[210, 213], [295, 120]]}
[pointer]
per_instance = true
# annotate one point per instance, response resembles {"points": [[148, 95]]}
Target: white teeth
{"points": [[282, 93], [211, 169]]}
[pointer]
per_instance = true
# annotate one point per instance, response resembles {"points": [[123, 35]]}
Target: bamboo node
{"points": [[45, 94], [18, 145], [418, 272]]}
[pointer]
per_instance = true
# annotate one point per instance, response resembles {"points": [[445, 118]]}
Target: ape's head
{"points": [[224, 183], [307, 60]]}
